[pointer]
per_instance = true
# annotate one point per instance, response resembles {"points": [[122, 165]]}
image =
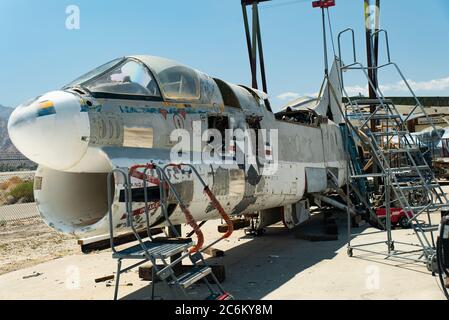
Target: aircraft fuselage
{"points": [[79, 134]]}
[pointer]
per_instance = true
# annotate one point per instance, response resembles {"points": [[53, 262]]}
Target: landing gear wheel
{"points": [[349, 252], [403, 223]]}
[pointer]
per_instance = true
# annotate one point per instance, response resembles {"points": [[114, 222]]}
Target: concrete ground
{"points": [[274, 266]]}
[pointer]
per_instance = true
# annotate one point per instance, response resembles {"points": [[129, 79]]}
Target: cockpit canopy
{"points": [[143, 76]]}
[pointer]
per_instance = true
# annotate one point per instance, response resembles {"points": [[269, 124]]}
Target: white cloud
{"points": [[356, 90], [400, 86], [293, 95], [288, 96], [432, 85], [397, 87]]}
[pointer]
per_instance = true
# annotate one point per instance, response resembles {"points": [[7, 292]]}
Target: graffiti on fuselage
{"points": [[172, 110]]}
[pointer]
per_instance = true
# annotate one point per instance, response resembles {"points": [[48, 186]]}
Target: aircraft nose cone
{"points": [[51, 130]]}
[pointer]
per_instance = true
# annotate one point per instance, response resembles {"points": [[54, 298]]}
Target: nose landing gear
{"points": [[253, 229]]}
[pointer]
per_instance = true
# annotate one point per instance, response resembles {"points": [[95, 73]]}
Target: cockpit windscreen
{"points": [[128, 77]]}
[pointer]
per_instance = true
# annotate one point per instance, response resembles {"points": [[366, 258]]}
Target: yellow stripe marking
{"points": [[46, 104]]}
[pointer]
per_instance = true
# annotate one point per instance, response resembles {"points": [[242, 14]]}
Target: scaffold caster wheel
{"points": [[218, 296], [392, 246], [432, 265], [349, 252]]}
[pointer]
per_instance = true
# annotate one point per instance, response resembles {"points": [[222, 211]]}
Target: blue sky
{"points": [[40, 54]]}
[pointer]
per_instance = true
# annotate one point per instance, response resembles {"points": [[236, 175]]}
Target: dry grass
{"points": [[10, 183]]}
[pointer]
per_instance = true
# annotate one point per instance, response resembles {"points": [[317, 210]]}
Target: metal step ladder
{"points": [[409, 182], [171, 252]]}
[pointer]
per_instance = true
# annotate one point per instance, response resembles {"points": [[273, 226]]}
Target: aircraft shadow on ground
{"points": [[262, 265]]}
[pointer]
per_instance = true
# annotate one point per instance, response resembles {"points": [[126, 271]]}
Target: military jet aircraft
{"points": [[134, 110]]}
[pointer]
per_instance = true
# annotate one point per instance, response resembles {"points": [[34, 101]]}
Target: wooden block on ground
{"points": [[172, 240], [214, 252], [219, 272], [238, 224], [331, 229], [103, 279], [316, 237], [145, 272]]}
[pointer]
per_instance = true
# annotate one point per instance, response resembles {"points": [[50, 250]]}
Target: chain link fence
{"points": [[16, 196]]}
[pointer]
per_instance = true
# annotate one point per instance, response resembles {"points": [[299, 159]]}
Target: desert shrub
{"points": [[23, 190], [11, 182]]}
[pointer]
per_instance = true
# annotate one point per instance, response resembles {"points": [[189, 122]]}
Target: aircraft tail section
{"points": [[330, 96]]}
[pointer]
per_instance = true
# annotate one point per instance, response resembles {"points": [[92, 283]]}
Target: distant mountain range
{"points": [[6, 145], [10, 158]]}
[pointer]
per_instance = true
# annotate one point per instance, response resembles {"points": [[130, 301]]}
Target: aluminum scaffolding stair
{"points": [[359, 184], [169, 252], [408, 181]]}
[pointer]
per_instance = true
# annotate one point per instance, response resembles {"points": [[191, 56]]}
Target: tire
{"points": [[403, 223]]}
